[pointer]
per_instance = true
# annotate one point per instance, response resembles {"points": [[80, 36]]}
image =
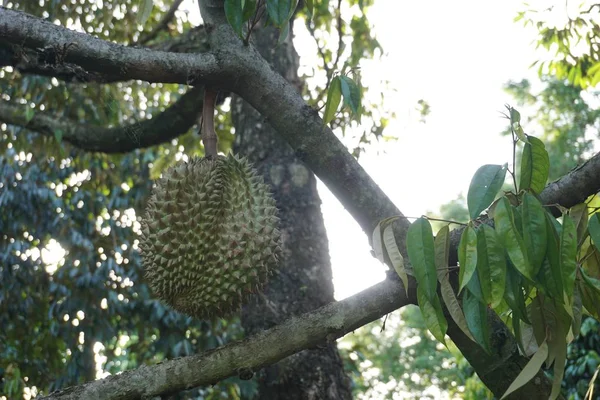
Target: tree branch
{"points": [[59, 45], [171, 123], [32, 61], [239, 358]]}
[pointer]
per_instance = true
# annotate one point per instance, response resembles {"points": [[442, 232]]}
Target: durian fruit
{"points": [[209, 235]]}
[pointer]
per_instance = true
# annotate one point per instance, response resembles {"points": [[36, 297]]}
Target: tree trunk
{"points": [[303, 280]]}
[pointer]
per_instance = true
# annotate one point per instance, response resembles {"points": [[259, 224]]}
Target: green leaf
{"points": [[310, 7], [58, 135], [560, 361], [513, 294], [421, 252], [594, 229], [394, 254], [334, 96], [577, 305], [568, 255], [283, 33], [29, 113], [511, 239], [550, 274], [145, 9], [442, 252], [476, 315], [491, 265], [249, 9], [351, 93], [530, 370], [580, 215], [280, 11], [432, 314], [535, 166], [234, 13], [474, 286], [590, 296], [533, 218], [467, 256], [484, 187]]}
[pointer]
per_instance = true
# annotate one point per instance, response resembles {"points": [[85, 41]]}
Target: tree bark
{"points": [[303, 281]]}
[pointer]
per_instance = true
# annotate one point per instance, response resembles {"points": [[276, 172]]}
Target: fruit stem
{"points": [[208, 134]]}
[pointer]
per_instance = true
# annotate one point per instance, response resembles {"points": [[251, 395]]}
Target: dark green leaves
{"points": [[484, 187], [535, 165], [420, 247]]}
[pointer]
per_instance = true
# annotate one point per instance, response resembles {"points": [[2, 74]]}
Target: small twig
{"points": [[208, 134]]}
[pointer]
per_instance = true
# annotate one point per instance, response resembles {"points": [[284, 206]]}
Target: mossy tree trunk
{"points": [[303, 281]]}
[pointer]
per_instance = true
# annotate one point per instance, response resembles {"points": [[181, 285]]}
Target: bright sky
{"points": [[456, 56]]}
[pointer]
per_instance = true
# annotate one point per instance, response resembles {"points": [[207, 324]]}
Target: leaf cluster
{"points": [[540, 275]]}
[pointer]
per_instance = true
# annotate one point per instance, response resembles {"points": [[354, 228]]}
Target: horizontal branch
{"points": [[35, 61], [64, 46], [244, 357], [171, 123]]}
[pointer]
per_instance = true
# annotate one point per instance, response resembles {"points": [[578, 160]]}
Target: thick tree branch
{"points": [[33, 61], [62, 45], [242, 357], [171, 123]]}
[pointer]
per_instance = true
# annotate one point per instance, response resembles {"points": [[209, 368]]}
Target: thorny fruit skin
{"points": [[209, 236]]}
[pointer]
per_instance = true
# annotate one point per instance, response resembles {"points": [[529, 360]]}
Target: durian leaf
{"points": [[394, 254], [568, 255], [421, 252], [433, 315], [580, 216], [351, 94], [484, 187], [530, 370], [511, 239], [234, 13], [594, 229], [477, 319], [144, 11], [442, 252], [491, 265], [334, 97], [533, 221], [467, 256], [535, 166]]}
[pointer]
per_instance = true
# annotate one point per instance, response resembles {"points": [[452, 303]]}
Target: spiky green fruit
{"points": [[209, 235]]}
